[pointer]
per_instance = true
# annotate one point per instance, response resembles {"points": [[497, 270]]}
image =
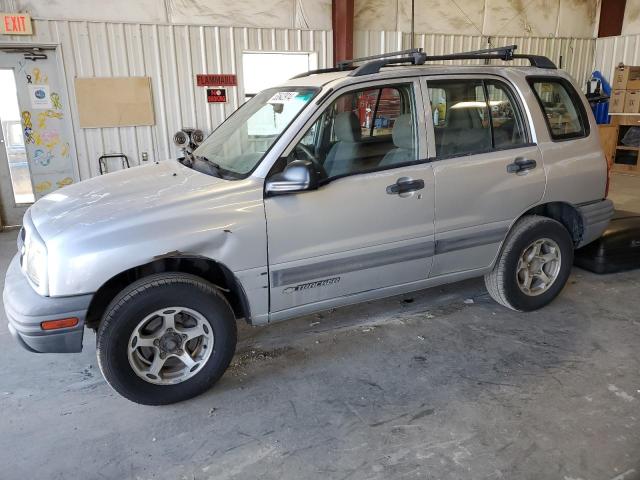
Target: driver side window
{"points": [[361, 131]]}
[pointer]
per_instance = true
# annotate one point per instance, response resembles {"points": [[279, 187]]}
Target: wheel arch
{"points": [[207, 269], [565, 213]]}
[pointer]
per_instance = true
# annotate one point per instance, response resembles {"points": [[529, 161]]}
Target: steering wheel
{"points": [[312, 158]]}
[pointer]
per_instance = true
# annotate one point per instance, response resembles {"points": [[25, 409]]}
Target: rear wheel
{"points": [[166, 338], [534, 264]]}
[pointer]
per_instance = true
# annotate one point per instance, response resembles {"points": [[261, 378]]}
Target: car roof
{"points": [[341, 78]]}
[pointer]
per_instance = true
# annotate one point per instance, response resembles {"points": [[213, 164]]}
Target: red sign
{"points": [[216, 80], [15, 24], [217, 95]]}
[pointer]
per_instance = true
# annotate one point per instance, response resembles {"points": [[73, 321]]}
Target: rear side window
{"points": [[460, 117], [474, 116], [506, 118], [562, 108]]}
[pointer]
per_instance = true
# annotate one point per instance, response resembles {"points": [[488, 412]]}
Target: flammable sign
{"points": [[217, 95]]}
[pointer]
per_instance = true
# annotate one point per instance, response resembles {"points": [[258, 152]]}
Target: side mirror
{"points": [[298, 176]]}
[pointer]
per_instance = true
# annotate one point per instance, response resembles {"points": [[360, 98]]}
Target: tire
{"points": [[506, 283], [121, 360]]}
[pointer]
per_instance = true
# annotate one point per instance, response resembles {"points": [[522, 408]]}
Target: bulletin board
{"points": [[114, 101]]}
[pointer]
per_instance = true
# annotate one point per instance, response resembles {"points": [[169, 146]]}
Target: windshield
{"points": [[239, 143]]}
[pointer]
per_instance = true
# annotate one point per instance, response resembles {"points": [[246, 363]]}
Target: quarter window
{"points": [[561, 105]]}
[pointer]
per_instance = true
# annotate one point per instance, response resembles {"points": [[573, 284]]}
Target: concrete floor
{"points": [[442, 384]]}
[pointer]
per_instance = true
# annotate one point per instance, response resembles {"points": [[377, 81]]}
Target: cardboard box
{"points": [[626, 78], [616, 102], [632, 101]]}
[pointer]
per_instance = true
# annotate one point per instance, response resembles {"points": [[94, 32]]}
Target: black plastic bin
{"points": [[617, 250]]}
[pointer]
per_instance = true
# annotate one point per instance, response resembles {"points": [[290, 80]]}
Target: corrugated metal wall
{"points": [[577, 53], [171, 55], [610, 51]]}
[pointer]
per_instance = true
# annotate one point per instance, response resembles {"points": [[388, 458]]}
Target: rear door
{"points": [[488, 169]]}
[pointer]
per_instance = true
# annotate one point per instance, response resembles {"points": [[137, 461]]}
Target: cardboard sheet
{"points": [[114, 101]]}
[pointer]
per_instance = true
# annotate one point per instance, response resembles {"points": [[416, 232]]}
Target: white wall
{"points": [[631, 23], [575, 55], [308, 14], [610, 51], [537, 18]]}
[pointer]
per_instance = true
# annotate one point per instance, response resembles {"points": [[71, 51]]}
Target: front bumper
{"points": [[26, 309]]}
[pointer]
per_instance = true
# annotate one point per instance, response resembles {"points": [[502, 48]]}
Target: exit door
{"points": [[37, 152]]}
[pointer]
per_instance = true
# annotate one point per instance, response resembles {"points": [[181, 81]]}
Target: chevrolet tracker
{"points": [[381, 176]]}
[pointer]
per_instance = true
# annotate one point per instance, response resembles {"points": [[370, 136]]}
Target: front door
{"points": [[37, 154], [370, 224], [488, 171]]}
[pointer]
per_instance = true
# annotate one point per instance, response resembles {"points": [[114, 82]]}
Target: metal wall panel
{"points": [[171, 55], [610, 51], [577, 53]]}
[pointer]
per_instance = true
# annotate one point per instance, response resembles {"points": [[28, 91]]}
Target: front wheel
{"points": [[533, 266], [166, 338]]}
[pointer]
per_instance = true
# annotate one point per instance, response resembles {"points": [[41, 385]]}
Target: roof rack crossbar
{"points": [[409, 52], [506, 51]]}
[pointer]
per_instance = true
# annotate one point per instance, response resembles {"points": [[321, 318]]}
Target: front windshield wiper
{"points": [[216, 169]]}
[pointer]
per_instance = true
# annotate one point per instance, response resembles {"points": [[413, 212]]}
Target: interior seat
{"points": [[464, 132], [342, 155], [403, 140]]}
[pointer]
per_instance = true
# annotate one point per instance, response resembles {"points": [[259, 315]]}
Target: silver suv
{"points": [[340, 186]]}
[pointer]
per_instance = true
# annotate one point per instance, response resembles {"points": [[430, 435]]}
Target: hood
{"points": [[121, 195]]}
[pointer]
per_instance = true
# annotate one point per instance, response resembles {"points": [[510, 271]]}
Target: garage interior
{"points": [[442, 383]]}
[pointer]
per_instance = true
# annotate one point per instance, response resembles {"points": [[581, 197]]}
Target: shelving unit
{"points": [[625, 158]]}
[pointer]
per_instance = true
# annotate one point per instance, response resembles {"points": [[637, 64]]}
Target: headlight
{"points": [[35, 263]]}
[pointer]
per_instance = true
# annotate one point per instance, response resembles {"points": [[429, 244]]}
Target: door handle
{"points": [[521, 164], [405, 186]]}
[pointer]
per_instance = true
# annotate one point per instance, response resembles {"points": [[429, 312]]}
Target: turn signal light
{"points": [[62, 323]]}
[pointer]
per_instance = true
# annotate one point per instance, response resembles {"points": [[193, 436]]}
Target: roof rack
{"points": [[416, 56]]}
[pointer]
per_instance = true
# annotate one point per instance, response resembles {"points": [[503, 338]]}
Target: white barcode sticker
{"points": [[283, 97]]}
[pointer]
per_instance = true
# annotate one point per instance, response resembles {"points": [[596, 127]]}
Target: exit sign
{"points": [[15, 24]]}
